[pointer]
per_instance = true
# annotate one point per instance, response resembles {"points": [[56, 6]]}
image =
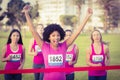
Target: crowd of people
{"points": [[53, 47]]}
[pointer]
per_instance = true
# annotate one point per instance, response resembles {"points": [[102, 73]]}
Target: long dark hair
{"points": [[9, 38]]}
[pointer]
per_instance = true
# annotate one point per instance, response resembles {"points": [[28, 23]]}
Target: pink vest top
{"points": [[38, 59], [17, 56], [97, 58], [54, 59], [70, 56]]}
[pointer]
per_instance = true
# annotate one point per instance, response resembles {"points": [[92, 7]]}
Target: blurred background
{"points": [[69, 14]]}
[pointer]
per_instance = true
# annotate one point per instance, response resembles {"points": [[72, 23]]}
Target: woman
{"points": [[97, 55]]}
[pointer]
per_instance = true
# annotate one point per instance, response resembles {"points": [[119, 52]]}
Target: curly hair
{"points": [[50, 29]]}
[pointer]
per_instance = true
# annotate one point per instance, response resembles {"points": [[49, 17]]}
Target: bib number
{"points": [[55, 60], [15, 57], [97, 58], [37, 48], [69, 57]]}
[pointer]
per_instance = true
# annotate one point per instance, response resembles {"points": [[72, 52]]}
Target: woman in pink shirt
{"points": [[13, 53], [54, 51], [71, 56], [34, 50], [97, 55]]}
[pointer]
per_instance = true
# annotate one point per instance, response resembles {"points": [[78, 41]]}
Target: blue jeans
{"points": [[13, 76], [70, 76], [97, 78], [38, 76]]}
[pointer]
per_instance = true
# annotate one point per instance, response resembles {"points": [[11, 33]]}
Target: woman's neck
{"points": [[13, 44], [54, 46], [97, 43]]}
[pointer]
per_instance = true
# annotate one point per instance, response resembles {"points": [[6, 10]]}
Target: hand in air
{"points": [[26, 8]]}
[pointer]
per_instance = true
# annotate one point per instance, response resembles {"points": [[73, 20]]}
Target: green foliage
{"points": [[14, 14], [112, 8], [34, 11], [68, 19]]}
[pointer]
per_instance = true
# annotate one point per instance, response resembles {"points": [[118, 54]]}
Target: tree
{"points": [[70, 20], [79, 4], [14, 15], [111, 12]]}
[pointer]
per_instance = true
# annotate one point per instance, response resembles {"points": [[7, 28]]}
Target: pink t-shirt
{"points": [[70, 56], [97, 58], [38, 59], [54, 59], [16, 56]]}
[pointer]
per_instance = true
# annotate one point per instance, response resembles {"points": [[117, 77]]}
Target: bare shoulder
{"points": [[106, 48], [23, 47], [88, 49]]}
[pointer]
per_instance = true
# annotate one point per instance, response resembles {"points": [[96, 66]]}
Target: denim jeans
{"points": [[13, 76], [70, 76], [38, 76], [97, 77]]}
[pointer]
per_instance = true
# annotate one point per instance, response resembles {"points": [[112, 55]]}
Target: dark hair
{"points": [[38, 25], [68, 30], [9, 38], [106, 43], [51, 28]]}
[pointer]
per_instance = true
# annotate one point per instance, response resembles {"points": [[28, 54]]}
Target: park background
{"points": [[69, 14]]}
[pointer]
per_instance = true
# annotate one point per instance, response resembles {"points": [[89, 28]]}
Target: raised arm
{"points": [[31, 27], [107, 62], [77, 32]]}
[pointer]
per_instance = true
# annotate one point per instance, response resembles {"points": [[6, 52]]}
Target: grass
{"points": [[83, 41]]}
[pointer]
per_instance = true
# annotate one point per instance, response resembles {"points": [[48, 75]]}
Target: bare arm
{"points": [[3, 58], [77, 54], [23, 59], [107, 55], [75, 34], [88, 58], [30, 51], [31, 27]]}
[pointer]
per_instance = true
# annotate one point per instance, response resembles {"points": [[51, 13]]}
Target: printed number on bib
{"points": [[55, 60], [69, 57], [97, 58], [15, 57], [37, 48]]}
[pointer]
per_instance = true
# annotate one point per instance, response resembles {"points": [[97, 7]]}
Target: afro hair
{"points": [[50, 29]]}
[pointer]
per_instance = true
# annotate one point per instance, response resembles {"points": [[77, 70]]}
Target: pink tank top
{"points": [[38, 59], [70, 56], [16, 56], [97, 58], [54, 59]]}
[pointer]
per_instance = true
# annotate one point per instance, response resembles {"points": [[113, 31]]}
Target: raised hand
{"points": [[26, 8], [89, 11]]}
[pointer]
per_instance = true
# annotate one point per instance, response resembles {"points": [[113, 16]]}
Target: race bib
{"points": [[37, 48], [69, 57], [55, 60], [97, 58], [15, 57]]}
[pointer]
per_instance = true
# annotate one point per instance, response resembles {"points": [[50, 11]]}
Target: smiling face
{"points": [[15, 37], [96, 36], [54, 38]]}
